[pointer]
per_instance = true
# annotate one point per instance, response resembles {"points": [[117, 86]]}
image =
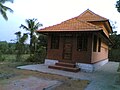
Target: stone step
{"points": [[65, 64], [64, 68]]}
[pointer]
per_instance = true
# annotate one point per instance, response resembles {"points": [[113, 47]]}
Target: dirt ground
{"points": [[10, 77]]}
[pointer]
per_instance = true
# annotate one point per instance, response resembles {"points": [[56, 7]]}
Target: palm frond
{"points": [[7, 9], [24, 27], [28, 21], [118, 6], [38, 25], [3, 1], [3, 10], [3, 13], [18, 33]]}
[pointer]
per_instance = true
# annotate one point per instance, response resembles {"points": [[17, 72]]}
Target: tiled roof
{"points": [[72, 25], [79, 23], [88, 15]]}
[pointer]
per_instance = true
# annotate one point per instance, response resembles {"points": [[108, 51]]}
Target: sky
{"points": [[51, 12]]}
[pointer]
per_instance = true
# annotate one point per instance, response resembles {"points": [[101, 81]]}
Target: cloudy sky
{"points": [[50, 12]]}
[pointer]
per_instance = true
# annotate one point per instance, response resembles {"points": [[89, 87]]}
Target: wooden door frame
{"points": [[71, 37]]}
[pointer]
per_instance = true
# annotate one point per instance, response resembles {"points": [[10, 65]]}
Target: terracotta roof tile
{"points": [[77, 23], [72, 25], [88, 15]]}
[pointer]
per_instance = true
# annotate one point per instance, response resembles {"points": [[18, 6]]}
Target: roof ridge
{"points": [[99, 18]]}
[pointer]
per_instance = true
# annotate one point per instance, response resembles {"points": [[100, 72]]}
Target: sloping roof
{"points": [[72, 25], [88, 15], [79, 23]]}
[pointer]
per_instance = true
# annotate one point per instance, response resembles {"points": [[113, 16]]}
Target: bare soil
{"points": [[9, 75]]}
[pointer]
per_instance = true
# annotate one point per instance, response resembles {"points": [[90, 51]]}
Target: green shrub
{"points": [[1, 57], [38, 56], [114, 55]]}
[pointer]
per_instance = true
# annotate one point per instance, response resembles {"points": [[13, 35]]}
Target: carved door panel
{"points": [[67, 48]]}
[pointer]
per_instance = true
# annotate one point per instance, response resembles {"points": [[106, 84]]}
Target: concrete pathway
{"points": [[102, 79]]}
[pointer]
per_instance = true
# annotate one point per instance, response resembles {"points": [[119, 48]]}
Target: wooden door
{"points": [[67, 48]]}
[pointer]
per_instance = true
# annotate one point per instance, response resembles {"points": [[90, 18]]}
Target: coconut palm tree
{"points": [[32, 25], [4, 8], [20, 46]]}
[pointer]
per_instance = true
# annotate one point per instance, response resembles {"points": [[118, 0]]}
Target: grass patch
{"points": [[12, 57]]}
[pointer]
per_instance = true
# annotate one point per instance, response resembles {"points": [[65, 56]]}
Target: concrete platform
{"points": [[82, 66]]}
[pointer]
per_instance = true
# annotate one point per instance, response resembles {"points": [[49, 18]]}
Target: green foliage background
{"points": [[114, 52]]}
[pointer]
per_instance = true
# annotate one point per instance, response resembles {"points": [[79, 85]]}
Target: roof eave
{"points": [[50, 31], [107, 23], [106, 38]]}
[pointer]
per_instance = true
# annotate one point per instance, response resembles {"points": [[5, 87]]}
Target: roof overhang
{"points": [[100, 33], [106, 38], [106, 24], [48, 31]]}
